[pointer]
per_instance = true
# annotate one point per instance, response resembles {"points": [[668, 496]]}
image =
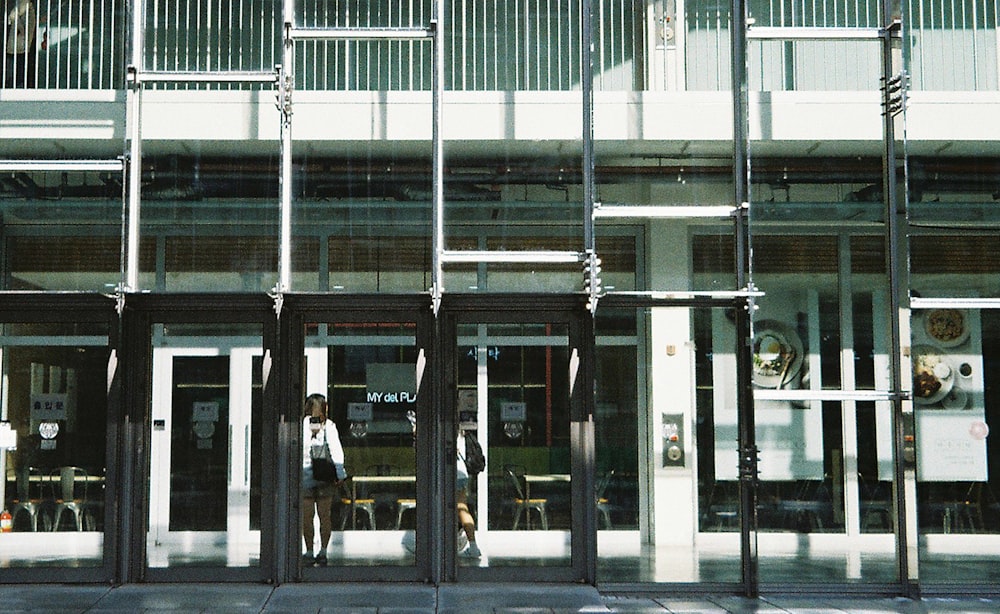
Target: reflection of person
{"points": [[19, 59], [462, 502], [319, 439]]}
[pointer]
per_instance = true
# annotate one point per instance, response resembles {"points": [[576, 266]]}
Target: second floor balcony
{"points": [[662, 74]]}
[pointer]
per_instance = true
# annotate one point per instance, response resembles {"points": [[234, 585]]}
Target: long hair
{"points": [[314, 401]]}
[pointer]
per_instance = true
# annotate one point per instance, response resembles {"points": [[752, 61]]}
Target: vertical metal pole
{"points": [[286, 82], [437, 157], [134, 152], [587, 93], [894, 84], [744, 392], [592, 268]]}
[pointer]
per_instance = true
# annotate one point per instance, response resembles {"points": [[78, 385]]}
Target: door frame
{"points": [[515, 308], [139, 313], [240, 377], [31, 307], [296, 312]]}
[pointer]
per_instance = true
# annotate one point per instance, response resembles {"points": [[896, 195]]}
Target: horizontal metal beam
{"points": [[228, 76], [686, 295], [476, 256], [812, 33], [772, 394], [61, 165], [955, 303], [662, 211], [360, 33]]}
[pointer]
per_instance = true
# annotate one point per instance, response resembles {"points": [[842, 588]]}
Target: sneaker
{"points": [[472, 552], [321, 559], [308, 558]]}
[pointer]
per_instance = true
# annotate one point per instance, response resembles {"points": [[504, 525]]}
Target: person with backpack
{"points": [[470, 462]]}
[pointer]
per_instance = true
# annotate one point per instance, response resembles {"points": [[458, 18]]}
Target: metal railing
{"points": [[952, 45], [500, 45], [74, 44]]}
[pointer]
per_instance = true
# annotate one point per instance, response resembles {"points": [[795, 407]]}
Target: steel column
{"points": [[744, 280]]}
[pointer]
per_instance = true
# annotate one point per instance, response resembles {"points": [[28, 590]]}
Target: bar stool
{"points": [[403, 506], [350, 505], [72, 495], [32, 506]]}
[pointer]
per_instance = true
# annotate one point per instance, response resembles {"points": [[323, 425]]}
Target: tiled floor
{"points": [[450, 599]]}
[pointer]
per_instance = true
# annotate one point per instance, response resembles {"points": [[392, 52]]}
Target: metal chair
{"points": [[603, 505], [524, 505], [26, 502], [350, 505], [71, 484], [403, 506]]}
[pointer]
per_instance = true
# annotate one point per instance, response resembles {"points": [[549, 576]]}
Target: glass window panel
{"points": [[91, 58], [955, 406], [55, 401], [364, 65], [508, 206], [211, 37], [209, 225], [713, 259], [818, 328], [62, 230], [362, 224], [670, 398], [955, 264]]}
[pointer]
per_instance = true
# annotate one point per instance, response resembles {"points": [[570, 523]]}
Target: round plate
{"points": [[947, 327], [775, 340], [955, 399], [930, 366]]}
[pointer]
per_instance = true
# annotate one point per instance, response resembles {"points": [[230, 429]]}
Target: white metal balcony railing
{"points": [[501, 45]]}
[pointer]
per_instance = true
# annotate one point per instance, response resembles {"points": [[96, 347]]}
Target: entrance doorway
{"points": [[514, 380], [204, 483]]}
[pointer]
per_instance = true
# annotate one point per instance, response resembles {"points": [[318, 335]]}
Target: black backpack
{"points": [[475, 461]]}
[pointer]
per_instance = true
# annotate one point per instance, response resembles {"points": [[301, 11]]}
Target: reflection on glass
{"points": [[954, 406], [323, 475], [513, 390], [368, 370], [62, 230], [209, 225], [55, 402]]}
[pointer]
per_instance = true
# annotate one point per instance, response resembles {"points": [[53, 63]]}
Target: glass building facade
{"points": [[714, 284]]}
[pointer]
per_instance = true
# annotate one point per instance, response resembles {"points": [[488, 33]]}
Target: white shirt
{"points": [[313, 446]]}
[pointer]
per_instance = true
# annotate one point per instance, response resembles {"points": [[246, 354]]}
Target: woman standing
{"points": [[465, 519], [320, 439]]}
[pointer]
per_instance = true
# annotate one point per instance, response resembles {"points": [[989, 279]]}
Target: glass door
{"points": [[513, 392], [204, 454], [365, 375]]}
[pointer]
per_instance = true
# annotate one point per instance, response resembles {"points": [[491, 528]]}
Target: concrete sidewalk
{"points": [[383, 598]]}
